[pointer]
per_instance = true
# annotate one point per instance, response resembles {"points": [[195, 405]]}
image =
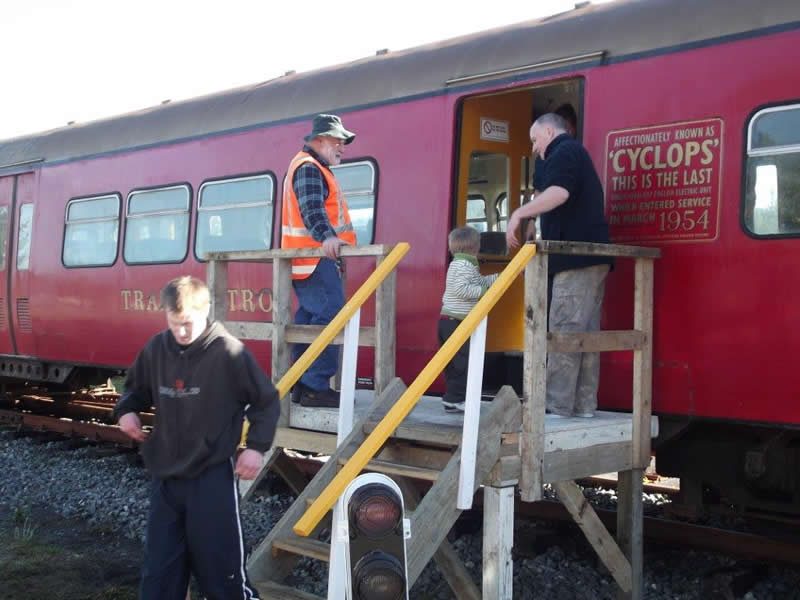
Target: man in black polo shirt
{"points": [[571, 209]]}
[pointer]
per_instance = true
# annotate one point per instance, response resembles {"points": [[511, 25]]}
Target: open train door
{"points": [[495, 170], [18, 263], [7, 345]]}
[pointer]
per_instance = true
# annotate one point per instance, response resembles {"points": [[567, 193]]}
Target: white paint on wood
{"points": [[472, 415], [348, 391], [498, 540]]}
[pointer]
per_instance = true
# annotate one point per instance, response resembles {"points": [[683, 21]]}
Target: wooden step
{"points": [[436, 433], [392, 468], [276, 591], [302, 547]]}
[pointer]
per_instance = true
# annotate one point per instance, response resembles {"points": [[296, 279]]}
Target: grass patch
{"points": [[33, 569]]}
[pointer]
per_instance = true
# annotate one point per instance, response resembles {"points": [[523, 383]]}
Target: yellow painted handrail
{"points": [[333, 328], [325, 501]]}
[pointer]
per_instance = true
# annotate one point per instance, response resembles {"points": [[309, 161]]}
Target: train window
{"points": [[487, 203], [235, 214], [772, 179], [24, 236], [476, 212], [357, 181], [157, 225], [90, 232], [3, 236]]}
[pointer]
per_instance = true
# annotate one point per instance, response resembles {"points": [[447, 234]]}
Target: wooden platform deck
{"points": [[574, 447]]}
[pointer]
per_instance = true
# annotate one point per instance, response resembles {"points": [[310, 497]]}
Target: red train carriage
{"points": [[690, 110]]}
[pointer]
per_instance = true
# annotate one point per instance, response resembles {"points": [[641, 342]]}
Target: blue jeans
{"points": [[321, 297]]}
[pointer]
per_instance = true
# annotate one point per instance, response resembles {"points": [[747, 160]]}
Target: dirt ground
{"points": [[46, 557]]}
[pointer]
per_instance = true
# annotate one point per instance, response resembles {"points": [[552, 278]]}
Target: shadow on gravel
{"points": [[43, 555]]}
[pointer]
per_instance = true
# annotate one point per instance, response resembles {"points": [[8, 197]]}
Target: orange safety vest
{"points": [[293, 231]]}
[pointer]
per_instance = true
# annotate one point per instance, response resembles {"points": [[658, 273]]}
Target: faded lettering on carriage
{"points": [[240, 300], [663, 182]]}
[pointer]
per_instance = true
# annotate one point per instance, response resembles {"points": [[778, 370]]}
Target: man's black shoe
{"points": [[297, 392], [322, 398]]}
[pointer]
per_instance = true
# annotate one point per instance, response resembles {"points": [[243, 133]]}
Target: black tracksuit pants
{"points": [[194, 527]]}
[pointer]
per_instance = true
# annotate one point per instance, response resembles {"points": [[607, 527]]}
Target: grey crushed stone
{"points": [[111, 493]]}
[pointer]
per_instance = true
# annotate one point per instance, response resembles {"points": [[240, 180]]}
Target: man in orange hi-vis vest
{"points": [[315, 215]]}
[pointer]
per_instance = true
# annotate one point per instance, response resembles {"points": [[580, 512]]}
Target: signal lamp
{"points": [[372, 533]]}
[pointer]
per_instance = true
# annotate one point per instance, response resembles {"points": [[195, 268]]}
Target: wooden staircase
{"points": [[432, 516]]}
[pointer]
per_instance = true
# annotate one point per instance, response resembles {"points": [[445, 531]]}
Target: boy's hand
{"points": [[131, 426], [249, 463]]}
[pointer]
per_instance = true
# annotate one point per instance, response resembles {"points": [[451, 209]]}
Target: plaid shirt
{"points": [[311, 191]]}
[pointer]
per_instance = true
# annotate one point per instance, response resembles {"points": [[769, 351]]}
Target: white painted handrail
{"points": [[337, 575], [472, 416], [347, 394]]}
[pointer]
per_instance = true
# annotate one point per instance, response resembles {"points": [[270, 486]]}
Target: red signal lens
{"points": [[375, 511]]}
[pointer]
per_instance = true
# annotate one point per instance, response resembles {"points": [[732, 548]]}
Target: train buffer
{"points": [[506, 447]]}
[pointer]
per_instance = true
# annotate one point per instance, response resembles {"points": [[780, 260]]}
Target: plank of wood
{"points": [[643, 362], [420, 432], [305, 334], [286, 469], [401, 470], [286, 253], [249, 330], [276, 591], [588, 461], [590, 249], [534, 380], [217, 282], [506, 472], [498, 540], [437, 511], [630, 523], [303, 547], [595, 341], [604, 545], [406, 453], [450, 564], [385, 330], [305, 440], [281, 317]]}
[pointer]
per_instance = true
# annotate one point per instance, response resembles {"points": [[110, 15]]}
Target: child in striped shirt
{"points": [[464, 287]]}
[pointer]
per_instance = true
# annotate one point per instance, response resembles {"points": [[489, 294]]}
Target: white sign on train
{"points": [[494, 130]]}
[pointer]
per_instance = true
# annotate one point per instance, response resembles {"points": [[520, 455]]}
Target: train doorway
{"points": [[494, 176], [6, 210]]}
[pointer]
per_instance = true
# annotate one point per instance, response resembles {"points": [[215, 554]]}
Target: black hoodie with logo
{"points": [[201, 393]]}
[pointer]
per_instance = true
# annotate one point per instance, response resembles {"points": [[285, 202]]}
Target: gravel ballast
{"points": [[551, 560]]}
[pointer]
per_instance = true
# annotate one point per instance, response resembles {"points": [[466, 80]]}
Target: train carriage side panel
{"points": [[116, 306], [725, 333]]}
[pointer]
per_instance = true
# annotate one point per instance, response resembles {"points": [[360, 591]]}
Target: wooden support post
{"points": [[643, 362], [534, 378], [498, 539], [217, 282], [290, 473], [450, 564], [629, 528], [281, 317], [385, 330], [584, 516]]}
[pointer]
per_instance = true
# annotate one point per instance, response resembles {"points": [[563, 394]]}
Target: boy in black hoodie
{"points": [[202, 382]]}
